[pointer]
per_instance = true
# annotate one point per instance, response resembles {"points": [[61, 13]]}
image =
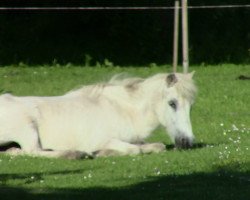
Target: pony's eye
{"points": [[173, 104]]}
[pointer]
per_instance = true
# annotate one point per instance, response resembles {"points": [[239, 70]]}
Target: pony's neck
{"points": [[143, 101], [151, 93], [138, 103], [138, 100]]}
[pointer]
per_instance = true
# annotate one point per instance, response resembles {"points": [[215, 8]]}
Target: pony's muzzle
{"points": [[183, 142]]}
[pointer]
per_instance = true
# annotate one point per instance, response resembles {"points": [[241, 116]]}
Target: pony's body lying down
{"points": [[102, 119]]}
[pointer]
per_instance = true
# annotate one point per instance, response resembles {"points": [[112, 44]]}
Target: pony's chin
{"points": [[183, 142]]}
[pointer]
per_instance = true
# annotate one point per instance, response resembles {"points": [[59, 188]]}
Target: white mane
{"points": [[131, 85]]}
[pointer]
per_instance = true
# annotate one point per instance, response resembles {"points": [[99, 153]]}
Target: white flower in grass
{"points": [[220, 157], [157, 171], [234, 127]]}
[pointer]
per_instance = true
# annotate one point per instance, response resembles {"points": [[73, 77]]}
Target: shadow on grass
{"points": [[195, 146], [223, 184], [32, 177]]}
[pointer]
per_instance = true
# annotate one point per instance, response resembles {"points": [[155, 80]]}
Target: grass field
{"points": [[218, 167]]}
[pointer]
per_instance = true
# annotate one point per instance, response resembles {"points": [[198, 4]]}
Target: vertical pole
{"points": [[176, 35], [185, 36]]}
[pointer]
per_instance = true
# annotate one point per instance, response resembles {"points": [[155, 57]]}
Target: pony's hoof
{"points": [[76, 155], [153, 148], [106, 153]]}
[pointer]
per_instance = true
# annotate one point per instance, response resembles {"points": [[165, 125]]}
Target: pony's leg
{"points": [[50, 154], [152, 147], [30, 145], [67, 154], [118, 147], [27, 139]]}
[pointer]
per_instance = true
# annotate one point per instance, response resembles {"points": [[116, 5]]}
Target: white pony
{"points": [[103, 119]]}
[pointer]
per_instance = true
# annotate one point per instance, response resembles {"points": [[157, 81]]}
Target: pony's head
{"points": [[174, 108]]}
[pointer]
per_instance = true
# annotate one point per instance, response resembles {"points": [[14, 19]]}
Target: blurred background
{"points": [[125, 37]]}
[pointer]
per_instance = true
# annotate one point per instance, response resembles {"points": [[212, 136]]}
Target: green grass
{"points": [[218, 167]]}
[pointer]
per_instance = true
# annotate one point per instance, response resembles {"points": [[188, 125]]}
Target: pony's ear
{"points": [[191, 74], [171, 80]]}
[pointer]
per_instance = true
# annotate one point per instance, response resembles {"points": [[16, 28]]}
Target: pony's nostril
{"points": [[183, 142]]}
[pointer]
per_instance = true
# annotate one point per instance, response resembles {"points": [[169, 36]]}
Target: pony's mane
{"points": [[123, 80], [185, 85]]}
